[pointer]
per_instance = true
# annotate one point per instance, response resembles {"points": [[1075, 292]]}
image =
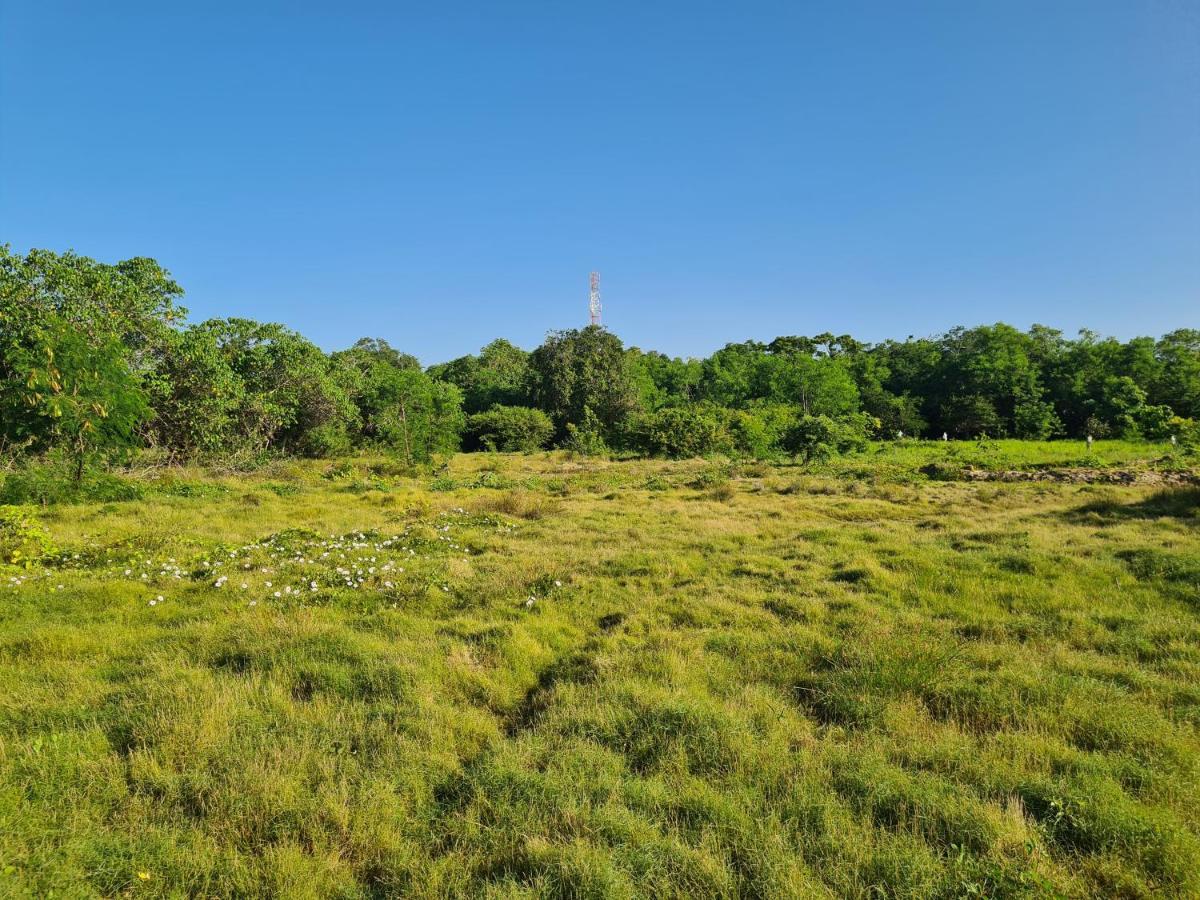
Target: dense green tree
{"points": [[398, 405], [499, 375], [74, 338], [575, 373], [1178, 382], [421, 418], [196, 394], [290, 398]]}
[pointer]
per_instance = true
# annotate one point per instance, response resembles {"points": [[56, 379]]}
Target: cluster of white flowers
{"points": [[294, 565]]}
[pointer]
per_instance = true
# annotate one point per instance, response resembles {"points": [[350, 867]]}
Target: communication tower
{"points": [[594, 298]]}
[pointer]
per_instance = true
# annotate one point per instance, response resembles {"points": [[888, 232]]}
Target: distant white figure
{"points": [[945, 437], [1172, 440], [1089, 443], [899, 435]]}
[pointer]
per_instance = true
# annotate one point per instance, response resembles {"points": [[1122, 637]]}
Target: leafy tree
{"points": [[1035, 419], [759, 431], [196, 395], [290, 397], [822, 387], [581, 371], [398, 405], [1178, 381], [500, 375], [586, 438], [80, 394], [735, 375], [421, 418], [971, 416], [663, 380], [74, 335]]}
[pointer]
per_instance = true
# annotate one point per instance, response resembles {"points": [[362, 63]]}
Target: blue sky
{"points": [[441, 174]]}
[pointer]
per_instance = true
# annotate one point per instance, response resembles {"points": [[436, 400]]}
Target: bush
{"points": [[509, 429], [52, 480], [22, 539], [759, 431], [1156, 423], [586, 439], [1187, 432], [820, 437], [679, 432]]}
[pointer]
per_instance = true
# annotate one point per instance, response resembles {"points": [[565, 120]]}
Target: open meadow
{"points": [[546, 675]]}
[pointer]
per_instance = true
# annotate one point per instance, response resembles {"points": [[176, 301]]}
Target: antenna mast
{"points": [[594, 298]]}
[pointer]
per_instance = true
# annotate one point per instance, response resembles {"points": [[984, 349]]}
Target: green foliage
{"points": [[95, 363], [499, 376], [287, 388], [198, 397], [586, 438], [74, 336], [422, 418], [680, 431], [400, 406], [23, 541], [820, 437], [577, 374], [759, 431], [509, 429], [52, 479], [971, 416]]}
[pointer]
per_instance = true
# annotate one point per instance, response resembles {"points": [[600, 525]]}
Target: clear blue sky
{"points": [[439, 174]]}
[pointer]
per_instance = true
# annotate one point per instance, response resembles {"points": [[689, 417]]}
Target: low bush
{"points": [[680, 431], [22, 539], [52, 480], [509, 429], [820, 437]]}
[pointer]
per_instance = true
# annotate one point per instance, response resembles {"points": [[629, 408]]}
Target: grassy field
{"points": [[546, 676]]}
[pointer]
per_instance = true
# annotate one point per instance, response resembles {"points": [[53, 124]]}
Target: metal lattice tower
{"points": [[594, 298]]}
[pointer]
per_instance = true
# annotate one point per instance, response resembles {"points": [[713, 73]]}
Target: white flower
{"points": [[557, 583]]}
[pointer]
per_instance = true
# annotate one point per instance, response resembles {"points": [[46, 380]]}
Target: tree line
{"points": [[97, 360]]}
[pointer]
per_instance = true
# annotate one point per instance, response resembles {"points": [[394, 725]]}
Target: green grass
{"points": [[608, 679]]}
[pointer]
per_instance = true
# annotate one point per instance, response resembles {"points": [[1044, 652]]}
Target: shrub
{"points": [[820, 437], [22, 539], [759, 431], [1186, 433], [509, 429], [586, 439], [680, 431], [443, 483], [52, 479]]}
